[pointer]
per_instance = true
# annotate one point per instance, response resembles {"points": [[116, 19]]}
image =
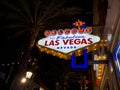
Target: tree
{"points": [[30, 18]]}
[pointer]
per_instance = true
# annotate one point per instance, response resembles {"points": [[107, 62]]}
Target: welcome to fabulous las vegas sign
{"points": [[68, 40]]}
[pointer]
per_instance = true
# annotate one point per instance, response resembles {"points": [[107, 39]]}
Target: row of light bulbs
{"points": [[101, 66], [100, 71], [77, 52]]}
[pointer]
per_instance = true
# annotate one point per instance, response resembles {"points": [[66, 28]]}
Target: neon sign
{"points": [[68, 40], [85, 65], [116, 56]]}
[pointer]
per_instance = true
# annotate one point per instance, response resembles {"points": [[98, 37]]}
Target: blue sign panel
{"points": [[85, 65]]}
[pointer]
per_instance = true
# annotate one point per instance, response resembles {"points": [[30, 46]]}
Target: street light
{"points": [[29, 74], [41, 88], [23, 80]]}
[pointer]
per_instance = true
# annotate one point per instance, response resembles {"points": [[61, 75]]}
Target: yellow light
{"points": [[100, 70], [100, 66], [106, 40], [70, 53], [59, 53], [23, 80], [78, 51], [99, 74], [48, 52], [61, 56], [52, 51], [87, 47], [99, 77], [95, 45], [104, 57], [64, 56], [54, 54], [42, 49], [79, 54], [45, 49]]}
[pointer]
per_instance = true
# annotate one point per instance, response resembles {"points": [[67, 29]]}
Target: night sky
{"points": [[51, 69], [10, 44]]}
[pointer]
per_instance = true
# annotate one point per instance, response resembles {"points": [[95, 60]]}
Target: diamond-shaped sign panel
{"points": [[67, 43]]}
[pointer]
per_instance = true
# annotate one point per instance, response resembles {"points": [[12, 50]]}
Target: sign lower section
{"points": [[68, 43]]}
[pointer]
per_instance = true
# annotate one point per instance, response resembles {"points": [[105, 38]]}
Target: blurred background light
{"points": [[23, 80], [29, 74]]}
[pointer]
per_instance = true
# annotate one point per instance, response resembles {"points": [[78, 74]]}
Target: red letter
{"points": [[65, 42], [46, 43], [71, 41], [90, 41], [57, 42], [51, 43], [77, 41], [83, 41]]}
